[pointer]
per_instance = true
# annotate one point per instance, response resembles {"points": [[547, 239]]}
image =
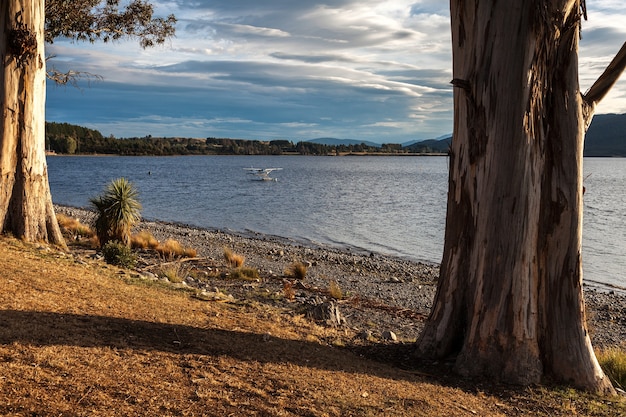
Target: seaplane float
{"points": [[262, 174]]}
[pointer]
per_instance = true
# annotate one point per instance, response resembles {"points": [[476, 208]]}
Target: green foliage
{"points": [[69, 139], [118, 210], [92, 20], [116, 253], [92, 142]]}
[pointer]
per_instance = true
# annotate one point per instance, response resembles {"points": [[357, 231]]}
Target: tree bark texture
{"points": [[26, 208], [509, 304]]}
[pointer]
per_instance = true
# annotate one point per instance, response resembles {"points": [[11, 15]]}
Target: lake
{"points": [[393, 205]]}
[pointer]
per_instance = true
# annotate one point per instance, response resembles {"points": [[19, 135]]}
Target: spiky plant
{"points": [[118, 210]]}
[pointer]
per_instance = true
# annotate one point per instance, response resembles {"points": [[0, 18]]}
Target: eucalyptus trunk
{"points": [[26, 208], [509, 304]]}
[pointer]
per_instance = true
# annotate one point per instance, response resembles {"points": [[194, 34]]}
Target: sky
{"points": [[370, 70]]}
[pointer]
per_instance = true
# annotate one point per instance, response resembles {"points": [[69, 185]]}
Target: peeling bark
{"points": [[26, 208], [509, 304]]}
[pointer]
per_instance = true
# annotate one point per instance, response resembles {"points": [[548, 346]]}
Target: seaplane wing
{"points": [[262, 170], [262, 174]]}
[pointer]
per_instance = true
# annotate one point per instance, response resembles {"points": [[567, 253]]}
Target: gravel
{"points": [[381, 294]]}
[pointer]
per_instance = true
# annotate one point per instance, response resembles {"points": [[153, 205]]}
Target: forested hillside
{"points": [[64, 138], [606, 137]]}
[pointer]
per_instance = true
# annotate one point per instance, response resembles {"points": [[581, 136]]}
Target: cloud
{"points": [[281, 68]]}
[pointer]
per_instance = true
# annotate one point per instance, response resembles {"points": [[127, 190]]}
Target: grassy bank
{"points": [[78, 337]]}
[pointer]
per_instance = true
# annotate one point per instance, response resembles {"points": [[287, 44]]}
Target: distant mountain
{"points": [[606, 136], [430, 145], [347, 142], [447, 137]]}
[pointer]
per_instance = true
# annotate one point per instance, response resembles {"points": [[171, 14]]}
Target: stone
{"points": [[327, 313], [389, 335], [365, 334]]}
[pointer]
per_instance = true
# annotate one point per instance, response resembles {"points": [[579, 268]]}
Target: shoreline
{"points": [[388, 293]]}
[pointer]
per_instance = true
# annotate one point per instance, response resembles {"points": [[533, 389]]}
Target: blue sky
{"points": [[297, 70]]}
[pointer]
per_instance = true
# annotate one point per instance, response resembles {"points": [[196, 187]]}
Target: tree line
{"points": [[69, 139]]}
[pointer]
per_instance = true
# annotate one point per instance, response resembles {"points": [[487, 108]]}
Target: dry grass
{"points": [[232, 259], [144, 240], [175, 271], [72, 226], [244, 273], [85, 339], [288, 291], [173, 249], [335, 291], [296, 270], [613, 363]]}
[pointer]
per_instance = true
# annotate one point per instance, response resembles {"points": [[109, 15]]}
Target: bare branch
{"points": [[604, 83], [71, 77]]}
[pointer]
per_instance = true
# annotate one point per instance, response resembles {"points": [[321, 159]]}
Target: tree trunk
{"points": [[509, 304], [26, 208]]}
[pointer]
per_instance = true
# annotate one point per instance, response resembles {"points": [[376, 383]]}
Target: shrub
{"points": [[118, 210], [613, 363], [233, 259], [144, 240], [296, 270], [116, 253]]}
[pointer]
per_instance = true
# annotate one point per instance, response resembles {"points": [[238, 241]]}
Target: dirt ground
{"points": [[79, 337]]}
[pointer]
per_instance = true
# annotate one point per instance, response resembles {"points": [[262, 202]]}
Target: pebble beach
{"points": [[381, 295]]}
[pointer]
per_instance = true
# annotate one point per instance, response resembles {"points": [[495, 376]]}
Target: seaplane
{"points": [[262, 174]]}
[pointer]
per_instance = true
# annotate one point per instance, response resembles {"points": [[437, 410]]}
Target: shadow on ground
{"points": [[49, 329]]}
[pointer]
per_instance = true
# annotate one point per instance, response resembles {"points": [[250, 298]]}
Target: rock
{"points": [[389, 335], [328, 313], [365, 335], [149, 275]]}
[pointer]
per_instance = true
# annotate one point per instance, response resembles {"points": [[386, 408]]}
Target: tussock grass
{"points": [[245, 273], [175, 272], [173, 249], [232, 259], [144, 240], [335, 291], [613, 363], [74, 226], [296, 270]]}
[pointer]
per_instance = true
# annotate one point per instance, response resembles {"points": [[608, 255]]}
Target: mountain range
{"points": [[606, 137]]}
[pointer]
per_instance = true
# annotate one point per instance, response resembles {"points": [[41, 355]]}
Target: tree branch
{"points": [[603, 84], [71, 77]]}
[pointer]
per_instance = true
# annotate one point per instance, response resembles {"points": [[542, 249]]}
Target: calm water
{"points": [[391, 205]]}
